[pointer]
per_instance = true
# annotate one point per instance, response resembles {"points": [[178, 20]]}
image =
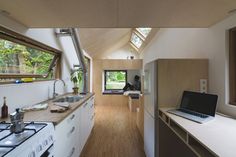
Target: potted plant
{"points": [[76, 78]]}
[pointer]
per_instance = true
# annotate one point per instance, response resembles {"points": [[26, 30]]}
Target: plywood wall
{"points": [[99, 66], [177, 75]]}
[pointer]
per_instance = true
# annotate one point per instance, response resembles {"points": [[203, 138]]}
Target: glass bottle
{"points": [[4, 108]]}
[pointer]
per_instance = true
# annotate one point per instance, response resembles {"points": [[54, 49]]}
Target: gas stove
{"points": [[36, 140]]}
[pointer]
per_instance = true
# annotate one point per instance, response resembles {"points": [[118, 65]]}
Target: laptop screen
{"points": [[199, 102]]}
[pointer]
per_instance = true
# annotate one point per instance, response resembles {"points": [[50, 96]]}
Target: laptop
{"points": [[195, 106]]}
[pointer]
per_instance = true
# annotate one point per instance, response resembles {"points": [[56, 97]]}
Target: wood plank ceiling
{"points": [[118, 13], [100, 40]]}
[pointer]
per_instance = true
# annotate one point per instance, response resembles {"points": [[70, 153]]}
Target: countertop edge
{"points": [[72, 110], [47, 116]]}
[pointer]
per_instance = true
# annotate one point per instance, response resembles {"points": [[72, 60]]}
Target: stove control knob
{"points": [[39, 148], [45, 142], [50, 138], [32, 154]]}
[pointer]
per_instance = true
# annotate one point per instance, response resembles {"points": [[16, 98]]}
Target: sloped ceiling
{"points": [[117, 13], [114, 17], [100, 40]]}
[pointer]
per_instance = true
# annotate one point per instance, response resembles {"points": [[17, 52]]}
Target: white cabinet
{"points": [[83, 125], [73, 132], [86, 121], [91, 113], [65, 135]]}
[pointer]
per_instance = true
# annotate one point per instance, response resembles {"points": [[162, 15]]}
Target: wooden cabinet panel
{"points": [[177, 75]]}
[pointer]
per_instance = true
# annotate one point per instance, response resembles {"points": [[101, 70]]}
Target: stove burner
{"points": [[8, 140], [4, 125], [15, 139], [4, 151]]}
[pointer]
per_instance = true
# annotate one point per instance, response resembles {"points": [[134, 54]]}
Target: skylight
{"points": [[139, 36], [136, 40], [144, 31]]}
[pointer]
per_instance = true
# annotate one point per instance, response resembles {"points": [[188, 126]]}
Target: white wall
{"points": [[178, 43], [208, 43], [19, 95]]}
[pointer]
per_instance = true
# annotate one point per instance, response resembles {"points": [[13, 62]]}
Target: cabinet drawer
{"points": [[91, 107], [68, 122], [71, 132], [71, 152], [65, 135], [71, 118]]}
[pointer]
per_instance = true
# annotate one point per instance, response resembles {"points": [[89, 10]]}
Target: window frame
{"points": [[232, 66], [7, 34], [139, 35], [88, 74], [144, 37], [105, 71], [142, 40]]}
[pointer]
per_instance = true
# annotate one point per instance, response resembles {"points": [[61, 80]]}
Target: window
{"points": [[144, 31], [138, 37], [137, 41], [88, 65], [232, 66], [22, 57], [115, 79]]}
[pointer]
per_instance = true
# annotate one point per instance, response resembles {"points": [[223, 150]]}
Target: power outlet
{"points": [[203, 85]]}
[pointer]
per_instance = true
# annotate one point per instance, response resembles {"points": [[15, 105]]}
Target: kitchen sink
{"points": [[70, 99]]}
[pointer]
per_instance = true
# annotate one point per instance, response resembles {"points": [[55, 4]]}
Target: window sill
{"points": [[14, 82], [113, 92]]}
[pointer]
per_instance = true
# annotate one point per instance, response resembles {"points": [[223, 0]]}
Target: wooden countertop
{"points": [[218, 135], [48, 116]]}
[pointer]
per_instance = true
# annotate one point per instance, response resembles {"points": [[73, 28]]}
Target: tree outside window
{"points": [[115, 79]]}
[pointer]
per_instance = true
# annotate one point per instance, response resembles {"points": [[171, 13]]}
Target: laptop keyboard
{"points": [[193, 113]]}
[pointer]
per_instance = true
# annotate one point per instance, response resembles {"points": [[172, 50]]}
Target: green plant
{"points": [[76, 77], [23, 59]]}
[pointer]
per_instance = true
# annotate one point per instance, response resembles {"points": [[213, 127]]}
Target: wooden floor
{"points": [[114, 134]]}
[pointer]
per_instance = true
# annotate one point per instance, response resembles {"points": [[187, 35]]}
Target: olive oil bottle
{"points": [[4, 108]]}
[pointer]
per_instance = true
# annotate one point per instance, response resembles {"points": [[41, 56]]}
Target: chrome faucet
{"points": [[54, 87]]}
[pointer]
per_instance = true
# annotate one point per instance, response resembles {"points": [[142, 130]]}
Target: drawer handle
{"points": [[72, 117], [72, 130], [72, 152], [92, 117], [85, 104]]}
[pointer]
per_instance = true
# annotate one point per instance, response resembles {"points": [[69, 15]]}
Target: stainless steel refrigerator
{"points": [[164, 82]]}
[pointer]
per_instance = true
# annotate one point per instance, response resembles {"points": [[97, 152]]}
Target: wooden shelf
{"points": [[199, 148], [178, 130], [212, 139], [164, 117]]}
